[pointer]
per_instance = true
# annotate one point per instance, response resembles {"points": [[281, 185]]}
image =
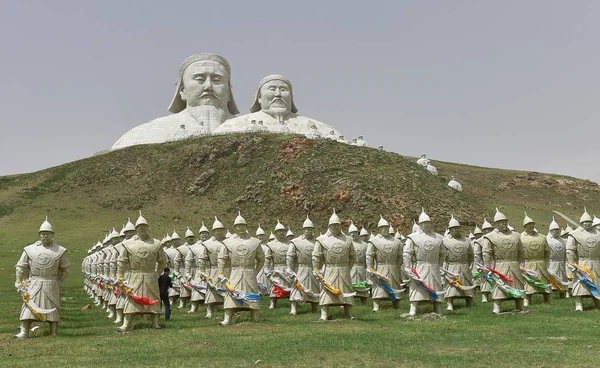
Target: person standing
{"points": [[164, 283]]}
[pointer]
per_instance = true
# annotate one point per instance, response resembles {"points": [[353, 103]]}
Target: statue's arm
{"points": [[260, 259], [409, 253], [317, 256], [161, 260], [351, 255], [222, 260], [269, 261], [371, 255], [22, 268], [470, 256], [122, 263], [64, 268], [442, 256], [572, 255], [290, 256], [203, 259], [487, 251]]}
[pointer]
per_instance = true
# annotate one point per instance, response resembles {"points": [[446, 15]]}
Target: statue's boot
{"points": [[437, 307], [413, 308], [119, 316], [155, 318], [254, 315], [181, 303], [578, 304], [111, 309], [395, 304], [520, 304], [484, 298], [209, 310], [193, 307], [97, 301], [172, 300], [24, 333], [375, 305], [348, 311], [53, 328], [547, 298], [527, 300], [324, 313], [497, 307], [294, 308], [227, 317], [469, 301], [567, 294], [126, 326], [273, 303], [450, 306]]}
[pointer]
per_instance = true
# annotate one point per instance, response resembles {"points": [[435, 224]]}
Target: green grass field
{"points": [[545, 336]]}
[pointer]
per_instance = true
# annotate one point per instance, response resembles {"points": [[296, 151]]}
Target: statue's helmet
{"points": [[46, 226]]}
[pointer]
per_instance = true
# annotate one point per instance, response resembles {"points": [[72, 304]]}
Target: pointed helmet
{"points": [[46, 226]]}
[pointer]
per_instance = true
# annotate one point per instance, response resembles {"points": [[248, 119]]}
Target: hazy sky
{"points": [[510, 84]]}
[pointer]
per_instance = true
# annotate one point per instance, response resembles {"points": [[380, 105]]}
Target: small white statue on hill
{"points": [[455, 184], [432, 170], [423, 161]]}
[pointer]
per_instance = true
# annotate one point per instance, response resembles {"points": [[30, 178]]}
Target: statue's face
{"points": [[219, 234], [46, 237], [142, 230], [587, 225], [275, 97], [529, 227], [204, 236], [455, 232], [240, 229], [176, 242], [425, 226], [280, 234], [115, 241], [205, 83], [384, 230], [309, 233], [364, 237], [487, 230], [555, 233], [354, 235], [478, 236], [501, 225], [262, 237], [129, 234], [190, 240], [336, 229], [168, 244]]}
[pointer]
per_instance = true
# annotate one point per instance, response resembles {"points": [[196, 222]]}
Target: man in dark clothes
{"points": [[164, 283]]}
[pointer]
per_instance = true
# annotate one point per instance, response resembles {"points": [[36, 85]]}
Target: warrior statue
{"points": [[191, 269], [504, 252], [358, 273], [244, 255], [275, 262], [305, 287], [583, 254], [171, 252], [182, 251], [537, 256], [424, 254], [384, 262], [558, 257], [209, 267], [128, 233], [142, 255], [485, 285], [335, 251], [40, 272], [458, 272], [263, 282], [110, 272]]}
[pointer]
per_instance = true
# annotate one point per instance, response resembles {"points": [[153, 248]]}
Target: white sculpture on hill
{"points": [[203, 100], [432, 170], [274, 107], [455, 184], [423, 161]]}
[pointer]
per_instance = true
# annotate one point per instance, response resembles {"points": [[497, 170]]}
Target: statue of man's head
{"points": [[204, 80], [274, 96]]}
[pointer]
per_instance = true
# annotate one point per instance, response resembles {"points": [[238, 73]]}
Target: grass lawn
{"points": [[546, 336]]}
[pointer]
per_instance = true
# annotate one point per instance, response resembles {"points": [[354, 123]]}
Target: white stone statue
{"points": [[335, 251], [459, 258], [455, 184], [423, 161], [274, 107], [261, 277], [358, 272], [424, 250], [583, 249], [432, 170], [203, 100], [185, 292], [244, 255], [299, 260], [537, 256], [361, 142], [384, 255], [128, 233], [558, 257], [275, 260], [142, 255], [209, 265], [40, 272]]}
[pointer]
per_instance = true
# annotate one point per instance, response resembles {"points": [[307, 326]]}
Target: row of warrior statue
{"points": [[233, 271]]}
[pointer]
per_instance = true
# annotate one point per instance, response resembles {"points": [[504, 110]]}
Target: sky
{"points": [[510, 84]]}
